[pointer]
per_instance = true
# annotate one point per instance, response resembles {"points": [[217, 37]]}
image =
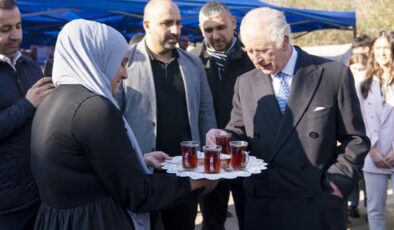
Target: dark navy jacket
{"points": [[223, 90], [17, 187]]}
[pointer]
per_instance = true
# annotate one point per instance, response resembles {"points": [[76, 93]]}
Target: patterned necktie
{"points": [[283, 93]]}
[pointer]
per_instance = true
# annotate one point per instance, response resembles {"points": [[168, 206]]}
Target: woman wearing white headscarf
{"points": [[86, 162]]}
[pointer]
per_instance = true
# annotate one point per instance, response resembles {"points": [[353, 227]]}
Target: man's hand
{"points": [[210, 137], [378, 159], [336, 191], [39, 91], [154, 159], [389, 159]]}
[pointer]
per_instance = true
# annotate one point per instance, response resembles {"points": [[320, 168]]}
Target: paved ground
{"points": [[356, 224]]}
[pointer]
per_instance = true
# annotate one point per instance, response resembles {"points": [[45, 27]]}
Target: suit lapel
{"points": [[267, 106], [142, 57], [304, 84], [388, 108], [187, 81]]}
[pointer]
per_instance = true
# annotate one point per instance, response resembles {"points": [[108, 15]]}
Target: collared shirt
{"points": [[288, 70], [172, 117], [12, 62]]}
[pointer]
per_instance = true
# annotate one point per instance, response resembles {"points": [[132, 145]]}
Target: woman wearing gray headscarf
{"points": [[86, 162]]}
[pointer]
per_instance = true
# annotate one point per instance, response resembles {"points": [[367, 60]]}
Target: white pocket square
{"points": [[319, 109]]}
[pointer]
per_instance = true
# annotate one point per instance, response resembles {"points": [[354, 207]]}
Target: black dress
{"points": [[86, 168]]}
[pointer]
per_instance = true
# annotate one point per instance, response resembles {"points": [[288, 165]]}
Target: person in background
{"points": [[184, 41], [166, 99], [224, 60], [361, 44], [22, 89], [358, 66], [375, 91], [358, 63], [86, 161], [293, 109]]}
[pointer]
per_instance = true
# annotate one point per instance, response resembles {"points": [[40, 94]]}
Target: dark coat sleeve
{"points": [[13, 118], [99, 127], [354, 144]]}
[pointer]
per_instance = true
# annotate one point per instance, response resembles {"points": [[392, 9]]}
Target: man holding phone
{"points": [[22, 90], [48, 67]]}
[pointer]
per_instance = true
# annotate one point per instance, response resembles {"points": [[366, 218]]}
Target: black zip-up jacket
{"points": [[236, 64], [17, 187]]}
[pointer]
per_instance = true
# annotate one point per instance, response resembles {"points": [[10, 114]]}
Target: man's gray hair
{"points": [[7, 4], [214, 9], [270, 20]]}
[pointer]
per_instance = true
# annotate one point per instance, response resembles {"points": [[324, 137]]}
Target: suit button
{"points": [[153, 124], [153, 149], [303, 166], [314, 135], [256, 135], [310, 200]]}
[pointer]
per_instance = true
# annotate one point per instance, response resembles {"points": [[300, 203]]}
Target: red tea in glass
{"points": [[189, 154], [212, 158], [223, 139], [239, 154]]}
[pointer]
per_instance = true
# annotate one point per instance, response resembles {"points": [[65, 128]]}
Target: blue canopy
{"points": [[42, 20]]}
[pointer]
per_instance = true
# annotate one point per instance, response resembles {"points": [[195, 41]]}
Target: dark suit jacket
{"points": [[300, 146]]}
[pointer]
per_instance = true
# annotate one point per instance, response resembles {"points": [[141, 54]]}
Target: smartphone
{"points": [[48, 68]]}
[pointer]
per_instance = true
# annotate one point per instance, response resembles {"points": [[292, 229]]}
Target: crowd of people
{"points": [[82, 148]]}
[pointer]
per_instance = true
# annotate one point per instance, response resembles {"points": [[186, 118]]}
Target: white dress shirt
{"points": [[12, 62], [288, 70]]}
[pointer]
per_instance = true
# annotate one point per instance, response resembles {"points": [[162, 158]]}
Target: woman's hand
{"points": [[378, 159], [389, 159], [154, 159]]}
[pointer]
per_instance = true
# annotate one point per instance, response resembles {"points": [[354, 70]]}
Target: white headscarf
{"points": [[90, 53]]}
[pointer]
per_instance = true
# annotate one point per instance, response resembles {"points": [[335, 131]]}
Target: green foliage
{"points": [[371, 15]]}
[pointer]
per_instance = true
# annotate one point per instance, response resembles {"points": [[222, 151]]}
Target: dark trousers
{"points": [[214, 205], [20, 220], [182, 216]]}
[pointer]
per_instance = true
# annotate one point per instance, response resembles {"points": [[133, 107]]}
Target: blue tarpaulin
{"points": [[43, 19]]}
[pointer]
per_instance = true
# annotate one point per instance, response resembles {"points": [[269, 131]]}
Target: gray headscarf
{"points": [[89, 53]]}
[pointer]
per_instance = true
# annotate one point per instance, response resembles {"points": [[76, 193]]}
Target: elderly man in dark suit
{"points": [[293, 109]]}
